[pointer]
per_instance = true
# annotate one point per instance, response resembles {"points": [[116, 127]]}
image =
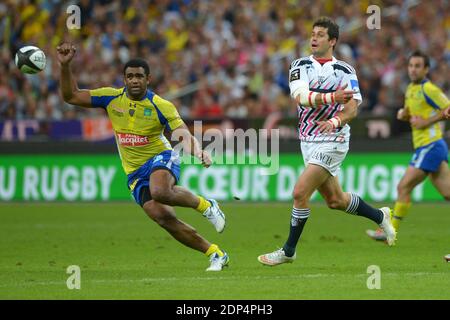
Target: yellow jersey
{"points": [[425, 100], [138, 125]]}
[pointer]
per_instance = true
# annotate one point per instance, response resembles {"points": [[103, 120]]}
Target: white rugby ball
{"points": [[30, 59]]}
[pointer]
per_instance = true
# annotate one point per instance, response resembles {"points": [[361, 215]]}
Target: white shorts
{"points": [[328, 155]]}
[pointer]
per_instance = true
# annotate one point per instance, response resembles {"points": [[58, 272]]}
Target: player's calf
{"points": [[359, 207], [336, 203], [163, 218]]}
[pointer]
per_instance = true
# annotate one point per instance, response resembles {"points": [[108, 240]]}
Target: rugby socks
{"points": [[298, 220], [358, 207], [214, 248], [401, 209], [203, 204]]}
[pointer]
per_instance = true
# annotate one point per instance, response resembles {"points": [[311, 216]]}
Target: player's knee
{"points": [[151, 210], [447, 197], [299, 195]]}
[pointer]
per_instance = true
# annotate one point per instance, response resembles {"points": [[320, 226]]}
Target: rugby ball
{"points": [[30, 59]]}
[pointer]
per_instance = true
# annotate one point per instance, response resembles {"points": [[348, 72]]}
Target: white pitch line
{"points": [[268, 277], [32, 283]]}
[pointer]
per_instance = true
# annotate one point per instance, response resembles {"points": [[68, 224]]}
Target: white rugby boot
{"points": [[275, 258], [215, 215], [218, 262]]}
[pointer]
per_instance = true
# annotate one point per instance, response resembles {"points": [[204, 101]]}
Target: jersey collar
{"points": [[149, 95], [333, 60]]}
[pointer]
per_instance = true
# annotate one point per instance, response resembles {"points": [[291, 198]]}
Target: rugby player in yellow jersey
{"points": [[139, 117], [425, 106]]}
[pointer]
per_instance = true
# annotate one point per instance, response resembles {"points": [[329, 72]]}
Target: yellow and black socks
{"points": [[401, 209], [214, 248], [203, 204]]}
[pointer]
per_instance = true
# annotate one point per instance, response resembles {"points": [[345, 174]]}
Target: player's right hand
{"points": [[343, 96], [205, 158], [65, 53]]}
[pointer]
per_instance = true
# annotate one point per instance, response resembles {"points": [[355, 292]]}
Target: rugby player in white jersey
{"points": [[327, 93]]}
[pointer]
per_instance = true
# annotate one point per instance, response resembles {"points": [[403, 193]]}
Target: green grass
{"points": [[124, 255]]}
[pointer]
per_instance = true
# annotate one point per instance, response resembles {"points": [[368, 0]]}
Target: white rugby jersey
{"points": [[325, 78]]}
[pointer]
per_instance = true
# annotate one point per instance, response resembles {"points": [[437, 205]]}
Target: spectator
{"points": [[237, 52]]}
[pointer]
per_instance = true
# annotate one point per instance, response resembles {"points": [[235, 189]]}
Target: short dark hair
{"points": [[333, 28], [136, 63], [418, 53]]}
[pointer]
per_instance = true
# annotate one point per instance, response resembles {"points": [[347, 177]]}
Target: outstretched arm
{"points": [[69, 88]]}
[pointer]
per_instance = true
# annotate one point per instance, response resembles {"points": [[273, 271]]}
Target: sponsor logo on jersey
{"points": [[147, 112], [116, 108], [133, 184], [355, 85], [132, 111], [295, 75], [159, 159], [118, 112], [132, 140], [321, 80]]}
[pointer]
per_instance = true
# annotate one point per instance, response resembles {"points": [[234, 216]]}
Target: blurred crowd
{"points": [[215, 58]]}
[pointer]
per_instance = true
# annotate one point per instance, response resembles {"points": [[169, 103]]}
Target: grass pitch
{"points": [[122, 254]]}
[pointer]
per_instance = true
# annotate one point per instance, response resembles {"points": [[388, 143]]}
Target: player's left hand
{"points": [[329, 125], [325, 126], [205, 158], [419, 122]]}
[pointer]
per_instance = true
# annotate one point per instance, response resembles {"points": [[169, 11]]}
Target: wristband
{"points": [[335, 122], [328, 98], [307, 98]]}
